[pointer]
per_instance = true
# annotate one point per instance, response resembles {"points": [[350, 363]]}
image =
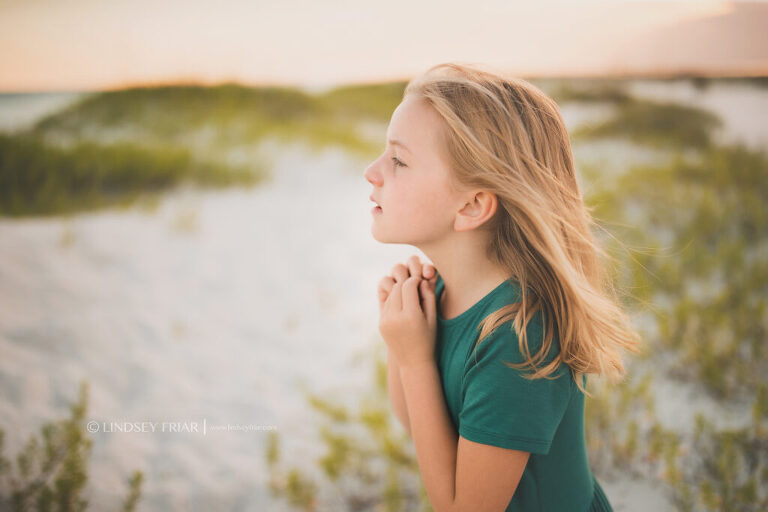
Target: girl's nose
{"points": [[372, 175]]}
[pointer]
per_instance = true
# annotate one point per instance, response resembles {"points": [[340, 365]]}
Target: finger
{"points": [[411, 293], [429, 303], [385, 287], [414, 265], [400, 272], [395, 299], [428, 271]]}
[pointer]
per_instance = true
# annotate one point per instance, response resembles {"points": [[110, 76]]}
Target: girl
{"points": [[478, 174]]}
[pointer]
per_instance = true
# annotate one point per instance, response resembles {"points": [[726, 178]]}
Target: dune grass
{"points": [[643, 121], [110, 147], [591, 92], [703, 225], [237, 115], [657, 124], [40, 179]]}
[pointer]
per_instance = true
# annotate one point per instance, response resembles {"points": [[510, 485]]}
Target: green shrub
{"points": [[51, 471], [39, 179]]}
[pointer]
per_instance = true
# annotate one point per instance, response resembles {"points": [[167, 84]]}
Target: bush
{"points": [[51, 471]]}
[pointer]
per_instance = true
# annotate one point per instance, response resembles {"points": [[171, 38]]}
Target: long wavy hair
{"points": [[504, 135]]}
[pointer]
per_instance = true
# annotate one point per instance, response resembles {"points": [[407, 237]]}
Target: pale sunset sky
{"points": [[101, 44]]}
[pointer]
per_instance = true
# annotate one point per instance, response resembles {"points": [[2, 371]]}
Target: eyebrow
{"points": [[395, 142]]}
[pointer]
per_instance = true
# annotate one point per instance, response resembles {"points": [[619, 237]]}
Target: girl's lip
{"points": [[376, 210]]}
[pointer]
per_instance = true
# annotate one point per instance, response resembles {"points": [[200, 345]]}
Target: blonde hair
{"points": [[504, 135]]}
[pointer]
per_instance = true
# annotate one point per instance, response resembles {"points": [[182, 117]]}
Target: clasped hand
{"points": [[408, 312]]}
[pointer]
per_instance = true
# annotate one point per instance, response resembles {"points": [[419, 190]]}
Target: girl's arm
{"points": [[395, 390], [394, 385], [458, 474]]}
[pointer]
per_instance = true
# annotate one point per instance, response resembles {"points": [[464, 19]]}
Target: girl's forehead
{"points": [[414, 125], [413, 109]]}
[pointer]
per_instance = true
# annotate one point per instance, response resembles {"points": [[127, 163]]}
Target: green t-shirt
{"points": [[493, 404]]}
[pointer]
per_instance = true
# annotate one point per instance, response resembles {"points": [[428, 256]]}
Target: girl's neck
{"points": [[467, 273], [455, 300]]}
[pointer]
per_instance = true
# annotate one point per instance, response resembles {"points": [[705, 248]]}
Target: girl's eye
{"points": [[397, 162]]}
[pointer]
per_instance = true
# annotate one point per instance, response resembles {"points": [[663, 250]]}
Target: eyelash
{"points": [[397, 162]]}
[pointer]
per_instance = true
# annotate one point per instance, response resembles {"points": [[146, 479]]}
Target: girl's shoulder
{"points": [[505, 344], [504, 341]]}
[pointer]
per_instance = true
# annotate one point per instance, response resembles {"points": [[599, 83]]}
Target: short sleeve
{"points": [[501, 407]]}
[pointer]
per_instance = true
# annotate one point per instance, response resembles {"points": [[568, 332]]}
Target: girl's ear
{"points": [[480, 209]]}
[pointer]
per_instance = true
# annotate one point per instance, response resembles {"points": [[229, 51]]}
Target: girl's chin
{"points": [[382, 239], [379, 236]]}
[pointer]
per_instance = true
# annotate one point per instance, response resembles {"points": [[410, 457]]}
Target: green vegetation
{"points": [[656, 124], [376, 101], [367, 465], [113, 147], [39, 179], [688, 238], [704, 223], [702, 82], [600, 92], [228, 116], [171, 110], [715, 470], [246, 113], [653, 123], [51, 471]]}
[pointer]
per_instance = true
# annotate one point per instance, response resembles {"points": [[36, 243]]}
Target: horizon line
{"points": [[692, 73]]}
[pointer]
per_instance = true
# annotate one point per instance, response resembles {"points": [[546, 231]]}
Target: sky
{"points": [[103, 44]]}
